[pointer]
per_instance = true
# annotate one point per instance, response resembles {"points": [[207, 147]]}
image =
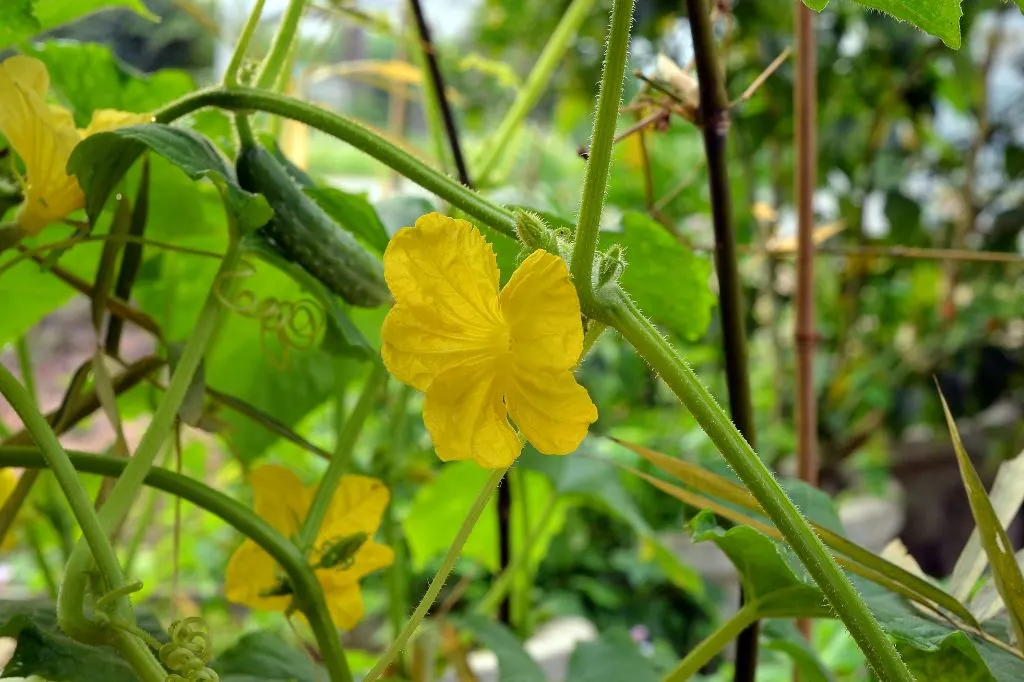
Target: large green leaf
{"points": [[613, 657], [514, 663], [87, 76], [101, 160], [264, 655], [22, 19], [668, 280], [354, 213]]}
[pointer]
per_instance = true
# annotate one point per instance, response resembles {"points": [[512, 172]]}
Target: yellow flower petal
{"points": [[465, 415], [444, 277], [280, 498], [551, 410], [542, 309], [345, 602], [109, 119], [249, 574], [43, 139], [357, 507], [8, 481]]}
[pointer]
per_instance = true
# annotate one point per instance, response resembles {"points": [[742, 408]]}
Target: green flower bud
{"points": [[535, 233], [612, 263]]}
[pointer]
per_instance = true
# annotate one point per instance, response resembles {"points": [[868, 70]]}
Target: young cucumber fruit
{"points": [[305, 234]]}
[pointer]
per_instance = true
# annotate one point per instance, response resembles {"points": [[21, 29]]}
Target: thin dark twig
{"points": [[714, 120], [442, 96]]}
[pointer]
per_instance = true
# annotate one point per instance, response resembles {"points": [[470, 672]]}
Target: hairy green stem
{"points": [[308, 594], [532, 90], [360, 137], [711, 645], [501, 584], [95, 544], [439, 578], [595, 182], [836, 586], [238, 56], [341, 461], [282, 45], [397, 577]]}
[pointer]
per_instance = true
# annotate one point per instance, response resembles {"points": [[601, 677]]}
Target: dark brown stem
{"points": [[442, 95], [806, 174], [714, 119]]}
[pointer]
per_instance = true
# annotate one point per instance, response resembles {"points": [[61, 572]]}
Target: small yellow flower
{"points": [[283, 501], [44, 136], [481, 356]]}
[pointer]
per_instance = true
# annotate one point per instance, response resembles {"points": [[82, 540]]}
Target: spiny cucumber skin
{"points": [[305, 234]]}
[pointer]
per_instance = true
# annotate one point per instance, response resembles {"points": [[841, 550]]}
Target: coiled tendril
{"points": [[295, 324], [188, 652]]}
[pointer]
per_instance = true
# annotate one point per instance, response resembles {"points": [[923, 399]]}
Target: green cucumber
{"points": [[305, 234]]}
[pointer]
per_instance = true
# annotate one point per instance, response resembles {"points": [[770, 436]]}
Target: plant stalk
{"points": [[440, 577], [701, 654], [805, 107], [95, 544], [238, 56], [281, 46], [360, 137], [715, 121], [532, 90], [595, 182], [341, 461], [70, 606], [840, 592]]}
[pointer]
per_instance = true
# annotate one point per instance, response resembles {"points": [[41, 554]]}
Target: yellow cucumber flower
{"points": [[44, 136], [480, 355], [255, 580]]}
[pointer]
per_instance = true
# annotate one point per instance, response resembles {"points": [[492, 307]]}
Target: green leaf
{"points": [[101, 160], [22, 19], [1014, 155], [768, 578], [668, 280], [264, 655], [45, 651], [782, 635], [1006, 497], [88, 76], [1006, 574], [613, 657], [354, 213], [941, 18], [17, 21], [514, 663], [816, 5]]}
